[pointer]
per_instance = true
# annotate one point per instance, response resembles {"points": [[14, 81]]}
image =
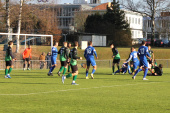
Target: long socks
{"points": [[10, 69], [93, 71], [145, 73], [113, 69]]}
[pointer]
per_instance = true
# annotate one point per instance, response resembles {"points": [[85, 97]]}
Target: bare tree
{"points": [[151, 8]]}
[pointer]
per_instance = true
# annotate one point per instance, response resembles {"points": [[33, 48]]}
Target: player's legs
{"points": [[24, 60], [8, 69], [145, 63], [113, 66], [28, 64], [93, 63], [69, 67], [54, 64], [118, 61], [87, 69]]}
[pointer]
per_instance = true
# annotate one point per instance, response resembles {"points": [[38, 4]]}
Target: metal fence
{"points": [[35, 64]]}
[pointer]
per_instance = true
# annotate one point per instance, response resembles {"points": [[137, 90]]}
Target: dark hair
{"points": [[160, 66], [75, 43], [111, 44], [10, 42], [90, 42], [143, 42], [55, 43]]}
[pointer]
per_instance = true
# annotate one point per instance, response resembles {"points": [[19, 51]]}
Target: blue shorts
{"points": [[135, 65], [143, 63], [91, 61], [53, 60]]}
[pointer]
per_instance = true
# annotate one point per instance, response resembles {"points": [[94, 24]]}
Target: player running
{"points": [[73, 64], [69, 48], [53, 58], [116, 57], [26, 57], [64, 57], [89, 55], [134, 58], [152, 57], [143, 53], [8, 59]]}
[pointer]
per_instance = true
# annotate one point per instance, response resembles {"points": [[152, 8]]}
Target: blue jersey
{"points": [[54, 52], [133, 56], [143, 52], [89, 53]]}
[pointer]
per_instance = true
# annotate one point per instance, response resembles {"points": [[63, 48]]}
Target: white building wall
{"points": [[135, 21]]}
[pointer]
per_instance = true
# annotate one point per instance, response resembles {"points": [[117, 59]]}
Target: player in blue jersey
{"points": [[134, 58], [143, 54], [53, 58], [89, 55], [124, 69]]}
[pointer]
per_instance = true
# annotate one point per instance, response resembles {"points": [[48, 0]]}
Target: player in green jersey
{"points": [[73, 63], [116, 57], [69, 48], [8, 59], [64, 58]]}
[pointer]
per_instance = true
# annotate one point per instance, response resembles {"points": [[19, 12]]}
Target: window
{"points": [[135, 20], [132, 20], [139, 21], [132, 34], [129, 20]]}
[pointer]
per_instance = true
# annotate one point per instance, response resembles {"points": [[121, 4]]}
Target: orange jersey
{"points": [[27, 53]]}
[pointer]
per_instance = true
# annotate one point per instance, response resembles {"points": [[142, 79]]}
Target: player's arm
{"points": [[67, 53], [85, 53], [95, 53], [10, 53], [23, 56], [128, 60]]}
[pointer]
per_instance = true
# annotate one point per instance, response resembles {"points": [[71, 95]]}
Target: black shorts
{"points": [[26, 59], [63, 63], [150, 61], [8, 63], [116, 61], [74, 68]]}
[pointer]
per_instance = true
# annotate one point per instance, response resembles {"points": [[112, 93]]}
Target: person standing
{"points": [[27, 57], [8, 59], [89, 55], [53, 58], [73, 64], [64, 58], [116, 57], [143, 55], [69, 48], [42, 60], [48, 60]]}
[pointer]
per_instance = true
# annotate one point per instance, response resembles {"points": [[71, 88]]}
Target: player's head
{"points": [[143, 42], [76, 44], [160, 66], [65, 44], [43, 53], [149, 47], [132, 49], [49, 53], [90, 43], [55, 44], [29, 46], [10, 43], [69, 45], [111, 45]]}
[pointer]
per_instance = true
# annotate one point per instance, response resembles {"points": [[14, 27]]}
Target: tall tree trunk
{"points": [[7, 18], [19, 26], [153, 23]]}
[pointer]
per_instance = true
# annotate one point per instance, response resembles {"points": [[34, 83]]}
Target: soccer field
{"points": [[35, 92]]}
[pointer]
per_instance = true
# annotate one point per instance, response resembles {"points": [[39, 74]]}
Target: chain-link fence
{"points": [[36, 64]]}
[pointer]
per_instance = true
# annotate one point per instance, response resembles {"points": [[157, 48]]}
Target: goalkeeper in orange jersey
{"points": [[26, 57]]}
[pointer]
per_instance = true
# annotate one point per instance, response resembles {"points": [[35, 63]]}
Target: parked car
{"points": [[159, 43], [165, 42]]}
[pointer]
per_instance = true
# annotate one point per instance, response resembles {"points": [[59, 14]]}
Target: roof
{"points": [[101, 7]]}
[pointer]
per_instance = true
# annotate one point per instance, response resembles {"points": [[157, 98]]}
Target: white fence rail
{"points": [[35, 64]]}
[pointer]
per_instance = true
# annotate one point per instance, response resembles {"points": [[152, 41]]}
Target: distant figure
{"points": [[157, 71], [89, 55], [42, 60], [116, 57], [124, 69], [69, 48], [48, 60], [8, 59], [143, 55], [27, 57], [53, 58]]}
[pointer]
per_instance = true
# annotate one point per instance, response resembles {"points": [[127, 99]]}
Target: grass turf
{"points": [[34, 92]]}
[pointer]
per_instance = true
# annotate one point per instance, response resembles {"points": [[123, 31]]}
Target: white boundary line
{"points": [[73, 89]]}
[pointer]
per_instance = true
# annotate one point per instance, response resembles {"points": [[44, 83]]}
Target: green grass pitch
{"points": [[35, 92]]}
